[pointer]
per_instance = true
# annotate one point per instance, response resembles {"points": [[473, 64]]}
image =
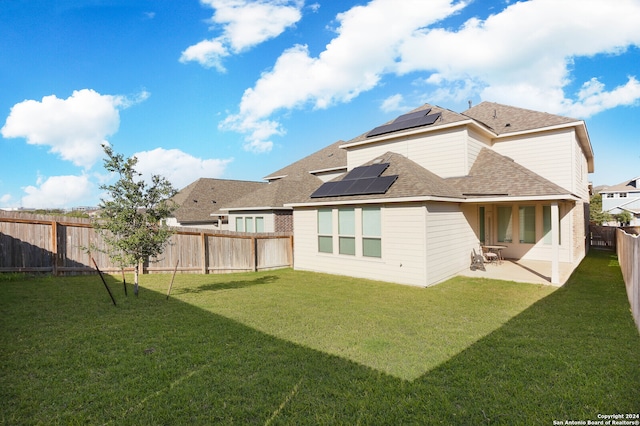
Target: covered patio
{"points": [[527, 271]]}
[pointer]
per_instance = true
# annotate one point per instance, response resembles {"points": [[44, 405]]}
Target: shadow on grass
{"points": [[228, 285], [76, 359]]}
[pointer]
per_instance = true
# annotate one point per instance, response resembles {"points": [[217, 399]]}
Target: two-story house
{"points": [[623, 197], [424, 190]]}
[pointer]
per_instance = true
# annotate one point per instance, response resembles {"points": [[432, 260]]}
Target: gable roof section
{"points": [[413, 181], [632, 185], [494, 175], [505, 120], [273, 196], [447, 118], [330, 157], [206, 196]]}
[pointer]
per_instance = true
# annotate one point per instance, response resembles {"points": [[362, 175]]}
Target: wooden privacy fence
{"points": [[629, 257], [602, 236], [58, 245]]}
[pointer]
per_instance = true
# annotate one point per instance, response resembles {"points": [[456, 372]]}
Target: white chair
{"points": [[489, 256]]}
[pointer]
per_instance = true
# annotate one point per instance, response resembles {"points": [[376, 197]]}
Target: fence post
{"points": [[204, 258], [254, 253], [54, 248]]}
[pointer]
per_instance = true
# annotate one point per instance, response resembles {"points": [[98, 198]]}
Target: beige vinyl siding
{"points": [[475, 143], [438, 152], [581, 186], [449, 241], [547, 154], [403, 253]]}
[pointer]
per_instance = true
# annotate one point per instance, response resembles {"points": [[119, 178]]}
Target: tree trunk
{"points": [[135, 279]]}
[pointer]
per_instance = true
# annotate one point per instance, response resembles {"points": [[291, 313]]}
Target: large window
{"points": [[347, 231], [371, 232], [527, 222], [248, 224], [505, 225], [325, 231], [546, 226]]}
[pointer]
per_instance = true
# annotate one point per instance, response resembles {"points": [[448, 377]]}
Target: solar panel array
{"points": [[364, 180], [406, 121]]}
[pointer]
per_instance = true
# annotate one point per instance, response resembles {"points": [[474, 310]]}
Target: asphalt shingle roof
{"points": [[493, 174], [504, 119], [207, 196]]}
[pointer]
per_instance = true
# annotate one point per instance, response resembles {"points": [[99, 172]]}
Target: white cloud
{"points": [[521, 55], [245, 24], [393, 103], [58, 192], [353, 62], [74, 128], [179, 168]]}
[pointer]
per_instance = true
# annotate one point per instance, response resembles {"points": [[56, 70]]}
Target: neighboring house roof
{"points": [[632, 185], [493, 175], [290, 189], [206, 196], [328, 158]]}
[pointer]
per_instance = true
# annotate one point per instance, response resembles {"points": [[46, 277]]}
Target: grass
{"points": [[290, 347]]}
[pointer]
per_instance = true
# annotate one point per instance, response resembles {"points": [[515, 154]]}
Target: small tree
{"points": [[132, 220], [596, 215], [623, 217]]}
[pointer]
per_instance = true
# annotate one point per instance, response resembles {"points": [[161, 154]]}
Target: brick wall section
{"points": [[578, 230], [283, 221]]}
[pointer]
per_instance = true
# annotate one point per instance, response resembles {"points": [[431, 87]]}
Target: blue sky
{"points": [[238, 89]]}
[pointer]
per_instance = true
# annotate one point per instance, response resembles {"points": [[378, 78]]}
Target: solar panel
{"points": [[382, 184], [408, 123], [373, 170], [362, 186], [412, 115], [324, 190]]}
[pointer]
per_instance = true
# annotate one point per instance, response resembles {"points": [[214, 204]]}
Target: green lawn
{"points": [[290, 347]]}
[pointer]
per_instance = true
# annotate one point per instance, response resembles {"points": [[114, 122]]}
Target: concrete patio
{"points": [[527, 271]]}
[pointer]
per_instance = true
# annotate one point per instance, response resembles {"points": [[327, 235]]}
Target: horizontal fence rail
{"points": [[60, 246], [628, 250]]}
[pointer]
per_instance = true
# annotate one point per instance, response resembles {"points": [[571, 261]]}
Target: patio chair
{"points": [[489, 256], [477, 262]]}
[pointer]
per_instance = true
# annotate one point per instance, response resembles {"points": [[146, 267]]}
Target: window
{"points": [[504, 224], [325, 231], [481, 224], [371, 241], [527, 216], [610, 195], [239, 224], [546, 226], [347, 231], [623, 195], [248, 224], [259, 224]]}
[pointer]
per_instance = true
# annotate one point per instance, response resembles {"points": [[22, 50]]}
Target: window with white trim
{"points": [[527, 224], [371, 232], [325, 231], [347, 231], [505, 224]]}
